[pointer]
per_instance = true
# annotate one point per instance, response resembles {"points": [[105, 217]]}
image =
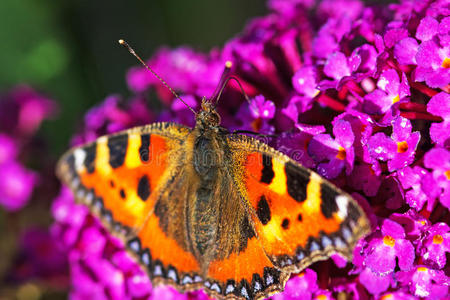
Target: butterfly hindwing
{"points": [[298, 216]]}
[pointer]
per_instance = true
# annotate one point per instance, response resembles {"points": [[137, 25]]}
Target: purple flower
{"points": [[181, 113], [305, 82], [387, 247], [23, 110], [350, 9], [358, 66], [399, 149], [375, 283], [439, 105], [286, 7], [337, 66], [380, 257], [435, 245], [390, 91], [433, 55], [183, 69], [302, 286], [111, 116], [38, 257], [338, 152], [405, 51], [427, 29], [245, 119], [438, 183], [411, 180], [413, 223], [8, 148], [329, 36], [425, 282], [16, 186], [262, 108], [432, 64], [364, 179], [295, 145]]}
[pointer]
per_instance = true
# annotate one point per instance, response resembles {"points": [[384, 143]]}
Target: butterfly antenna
{"points": [[131, 50], [224, 79]]}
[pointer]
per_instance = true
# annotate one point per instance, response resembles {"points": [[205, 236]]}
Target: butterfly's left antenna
{"points": [[131, 50]]}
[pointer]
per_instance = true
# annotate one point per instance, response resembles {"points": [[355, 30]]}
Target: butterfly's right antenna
{"points": [[131, 50], [224, 79]]}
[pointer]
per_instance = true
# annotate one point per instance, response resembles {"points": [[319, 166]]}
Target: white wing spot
{"points": [[172, 275], [342, 203], [230, 289], [186, 280], [79, 155]]}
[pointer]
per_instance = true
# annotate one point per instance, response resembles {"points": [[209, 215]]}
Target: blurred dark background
{"points": [[68, 49]]}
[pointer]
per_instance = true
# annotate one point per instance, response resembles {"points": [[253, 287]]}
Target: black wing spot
{"points": [[271, 276], [117, 146], [328, 200], [285, 223], [161, 211], [143, 189], [300, 217], [267, 172], [263, 210], [111, 183], [89, 161], [247, 233], [353, 211], [244, 289], [122, 194], [144, 148], [297, 180]]}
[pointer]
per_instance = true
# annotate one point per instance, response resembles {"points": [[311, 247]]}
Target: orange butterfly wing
{"points": [[120, 177], [295, 218], [298, 216]]}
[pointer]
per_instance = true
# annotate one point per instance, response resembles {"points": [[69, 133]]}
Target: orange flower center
{"points": [[438, 239], [341, 153], [422, 222], [446, 63], [321, 297], [402, 147], [447, 174], [387, 297], [256, 124], [395, 99], [422, 269], [389, 241]]}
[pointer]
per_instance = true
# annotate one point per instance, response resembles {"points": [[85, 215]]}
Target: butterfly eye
{"points": [[214, 118]]}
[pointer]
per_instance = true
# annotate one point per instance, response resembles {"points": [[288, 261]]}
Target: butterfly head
{"points": [[208, 116]]}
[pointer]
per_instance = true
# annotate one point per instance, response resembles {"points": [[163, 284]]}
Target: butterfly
{"points": [[205, 208]]}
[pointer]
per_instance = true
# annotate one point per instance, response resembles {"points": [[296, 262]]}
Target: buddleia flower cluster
{"points": [[22, 110], [358, 93]]}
